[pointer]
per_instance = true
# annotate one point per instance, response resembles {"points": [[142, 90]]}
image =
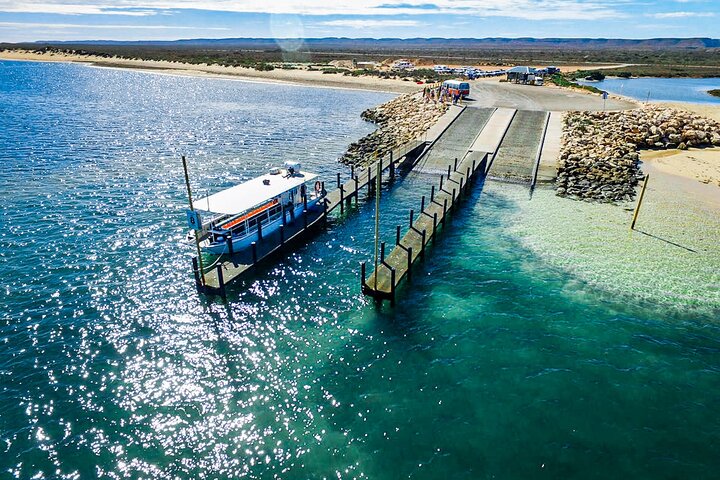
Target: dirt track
{"points": [[547, 98]]}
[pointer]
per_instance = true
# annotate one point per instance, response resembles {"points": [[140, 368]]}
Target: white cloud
{"points": [[682, 14], [525, 9], [24, 25], [358, 24]]}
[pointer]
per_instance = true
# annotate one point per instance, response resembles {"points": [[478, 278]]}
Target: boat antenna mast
{"points": [[197, 236]]}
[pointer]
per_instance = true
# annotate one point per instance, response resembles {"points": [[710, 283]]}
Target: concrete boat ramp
{"points": [[464, 148], [481, 144]]}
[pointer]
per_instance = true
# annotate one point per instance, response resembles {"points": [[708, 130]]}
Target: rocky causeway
{"points": [[599, 157]]}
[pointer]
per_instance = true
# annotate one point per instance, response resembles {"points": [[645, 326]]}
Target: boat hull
{"points": [[241, 243]]}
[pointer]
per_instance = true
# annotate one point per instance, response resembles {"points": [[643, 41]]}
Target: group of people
{"points": [[440, 93]]}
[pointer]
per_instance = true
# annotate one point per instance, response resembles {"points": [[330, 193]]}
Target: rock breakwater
{"points": [[400, 120], [599, 157]]}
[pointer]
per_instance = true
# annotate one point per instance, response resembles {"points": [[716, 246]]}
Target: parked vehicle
{"points": [[455, 87], [403, 65]]}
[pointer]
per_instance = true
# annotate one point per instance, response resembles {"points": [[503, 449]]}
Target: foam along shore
{"points": [[294, 77]]}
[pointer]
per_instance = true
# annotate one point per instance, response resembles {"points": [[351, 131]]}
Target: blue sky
{"points": [[28, 20]]}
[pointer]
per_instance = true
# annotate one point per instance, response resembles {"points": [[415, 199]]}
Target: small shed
{"points": [[521, 74], [366, 65]]}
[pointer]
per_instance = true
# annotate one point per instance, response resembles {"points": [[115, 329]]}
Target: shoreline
{"points": [[295, 77]]}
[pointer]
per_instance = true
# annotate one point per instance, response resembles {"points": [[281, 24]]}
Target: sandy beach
{"points": [[295, 77], [699, 165], [702, 165]]}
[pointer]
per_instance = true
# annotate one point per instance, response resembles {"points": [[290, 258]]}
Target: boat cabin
{"points": [[268, 200]]}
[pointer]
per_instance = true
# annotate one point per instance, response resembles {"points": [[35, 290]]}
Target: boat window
{"points": [[239, 229]]}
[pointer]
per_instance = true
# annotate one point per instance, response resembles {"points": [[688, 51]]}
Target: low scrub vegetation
{"points": [[561, 81]]}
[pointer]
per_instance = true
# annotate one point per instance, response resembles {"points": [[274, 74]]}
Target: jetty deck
{"points": [[453, 184], [504, 142], [232, 266], [466, 145]]}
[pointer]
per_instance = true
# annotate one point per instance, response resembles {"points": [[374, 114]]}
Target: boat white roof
{"points": [[252, 193]]}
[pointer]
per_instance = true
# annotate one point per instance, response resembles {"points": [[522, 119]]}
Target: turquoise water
{"points": [[495, 364], [693, 90]]}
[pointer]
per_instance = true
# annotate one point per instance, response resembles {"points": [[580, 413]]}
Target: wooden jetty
{"points": [[392, 268], [231, 266]]}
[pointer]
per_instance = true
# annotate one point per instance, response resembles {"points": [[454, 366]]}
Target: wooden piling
{"points": [[432, 194], [422, 204], [392, 286], [382, 252], [229, 243], [441, 183], [456, 164], [282, 234], [342, 199], [409, 261], [338, 180], [253, 246], [639, 203], [196, 272], [412, 214], [259, 231], [422, 244], [362, 276], [397, 235], [305, 221], [221, 282]]}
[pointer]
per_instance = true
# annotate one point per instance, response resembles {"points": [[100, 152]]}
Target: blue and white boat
{"points": [[258, 207]]}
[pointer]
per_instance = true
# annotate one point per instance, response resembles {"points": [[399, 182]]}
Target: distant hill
{"points": [[425, 44]]}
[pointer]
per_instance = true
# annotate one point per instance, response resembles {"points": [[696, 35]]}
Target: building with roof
{"points": [[521, 74]]}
